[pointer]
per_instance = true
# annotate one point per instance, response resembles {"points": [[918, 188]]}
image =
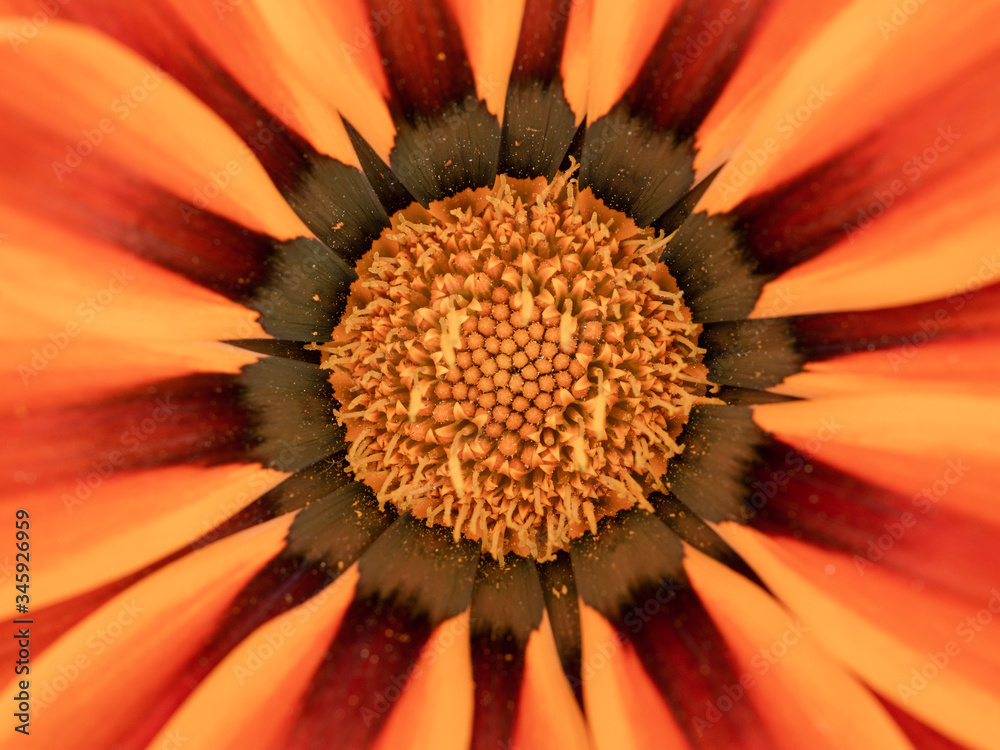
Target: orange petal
{"points": [[808, 699], [782, 35], [140, 119], [262, 679], [434, 711], [59, 285], [950, 701], [949, 480], [968, 365], [921, 735], [933, 44], [914, 422], [934, 447], [624, 709], [98, 532], [58, 370], [241, 38], [912, 193], [936, 239], [921, 616], [110, 668], [330, 49], [950, 339], [548, 714], [197, 419], [576, 62], [490, 32], [622, 36], [937, 545], [220, 40]]}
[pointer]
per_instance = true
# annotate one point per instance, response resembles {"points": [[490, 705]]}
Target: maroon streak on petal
{"points": [[334, 200], [158, 34], [632, 574], [507, 607], [963, 315], [540, 43], [447, 140], [563, 605], [878, 174], [324, 540], [639, 157], [197, 419], [413, 578], [423, 56], [793, 495], [321, 532], [276, 412], [177, 402], [674, 89], [104, 200], [371, 657], [922, 736], [326, 481], [689, 661], [299, 286], [539, 124], [760, 353], [52, 621], [281, 585]]}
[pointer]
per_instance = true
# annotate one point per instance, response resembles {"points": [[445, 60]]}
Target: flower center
{"points": [[515, 365]]}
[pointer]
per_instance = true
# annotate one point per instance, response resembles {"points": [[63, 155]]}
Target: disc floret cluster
{"points": [[515, 365]]}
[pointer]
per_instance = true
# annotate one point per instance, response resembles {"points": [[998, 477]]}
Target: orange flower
{"points": [[553, 373]]}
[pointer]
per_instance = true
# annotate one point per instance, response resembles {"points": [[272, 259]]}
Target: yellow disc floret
{"points": [[515, 365]]}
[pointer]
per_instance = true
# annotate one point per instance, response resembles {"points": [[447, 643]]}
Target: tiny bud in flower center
{"points": [[515, 365]]}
